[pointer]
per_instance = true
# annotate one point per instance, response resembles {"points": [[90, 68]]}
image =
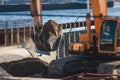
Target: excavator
{"points": [[97, 52]]}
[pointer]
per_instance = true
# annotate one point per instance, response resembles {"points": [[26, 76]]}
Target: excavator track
{"points": [[63, 67], [71, 65], [81, 64], [111, 67]]}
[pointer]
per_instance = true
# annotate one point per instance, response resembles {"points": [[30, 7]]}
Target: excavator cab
{"points": [[109, 37]]}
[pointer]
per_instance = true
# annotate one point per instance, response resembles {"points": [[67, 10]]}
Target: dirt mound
{"points": [[3, 73], [28, 67]]}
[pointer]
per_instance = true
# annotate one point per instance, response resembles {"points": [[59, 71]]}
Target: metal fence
{"points": [[71, 32], [70, 37], [67, 38], [16, 24]]}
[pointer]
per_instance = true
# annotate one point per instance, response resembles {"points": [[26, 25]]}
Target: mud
{"points": [[28, 67]]}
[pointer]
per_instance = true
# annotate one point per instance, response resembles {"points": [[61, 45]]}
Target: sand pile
{"points": [[28, 67]]}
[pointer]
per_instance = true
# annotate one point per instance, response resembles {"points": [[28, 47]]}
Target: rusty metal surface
{"points": [[91, 76], [26, 78]]}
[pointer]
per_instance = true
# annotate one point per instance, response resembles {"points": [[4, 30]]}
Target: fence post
{"points": [[24, 34], [64, 49], [5, 31], [74, 37], [11, 36], [18, 36], [30, 31]]}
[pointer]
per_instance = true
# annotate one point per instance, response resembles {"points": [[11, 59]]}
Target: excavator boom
{"points": [[99, 8], [48, 36]]}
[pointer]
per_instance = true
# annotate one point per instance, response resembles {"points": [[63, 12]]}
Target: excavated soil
{"points": [[3, 73], [28, 67]]}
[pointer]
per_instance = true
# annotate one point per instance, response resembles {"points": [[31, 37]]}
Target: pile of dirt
{"points": [[3, 73], [28, 67]]}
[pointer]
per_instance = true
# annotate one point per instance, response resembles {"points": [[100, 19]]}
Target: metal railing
{"points": [[16, 24], [67, 38], [71, 31], [70, 37]]}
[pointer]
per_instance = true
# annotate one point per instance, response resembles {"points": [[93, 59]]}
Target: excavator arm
{"points": [[46, 37], [36, 12]]}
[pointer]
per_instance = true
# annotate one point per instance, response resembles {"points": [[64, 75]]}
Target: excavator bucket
{"points": [[49, 37]]}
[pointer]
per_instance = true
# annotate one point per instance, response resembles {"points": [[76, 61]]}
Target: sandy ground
{"points": [[12, 53], [15, 53]]}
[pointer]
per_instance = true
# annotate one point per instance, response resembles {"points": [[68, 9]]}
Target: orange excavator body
{"points": [[100, 16], [99, 9], [98, 52]]}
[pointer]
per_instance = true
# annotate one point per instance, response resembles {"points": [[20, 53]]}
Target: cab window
{"points": [[107, 35]]}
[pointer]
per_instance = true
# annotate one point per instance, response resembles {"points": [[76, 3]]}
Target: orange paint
{"points": [[96, 13]]}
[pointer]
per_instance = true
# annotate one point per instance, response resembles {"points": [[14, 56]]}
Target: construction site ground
{"points": [[17, 63]]}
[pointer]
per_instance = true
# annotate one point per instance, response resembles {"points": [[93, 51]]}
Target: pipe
{"points": [[82, 75]]}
